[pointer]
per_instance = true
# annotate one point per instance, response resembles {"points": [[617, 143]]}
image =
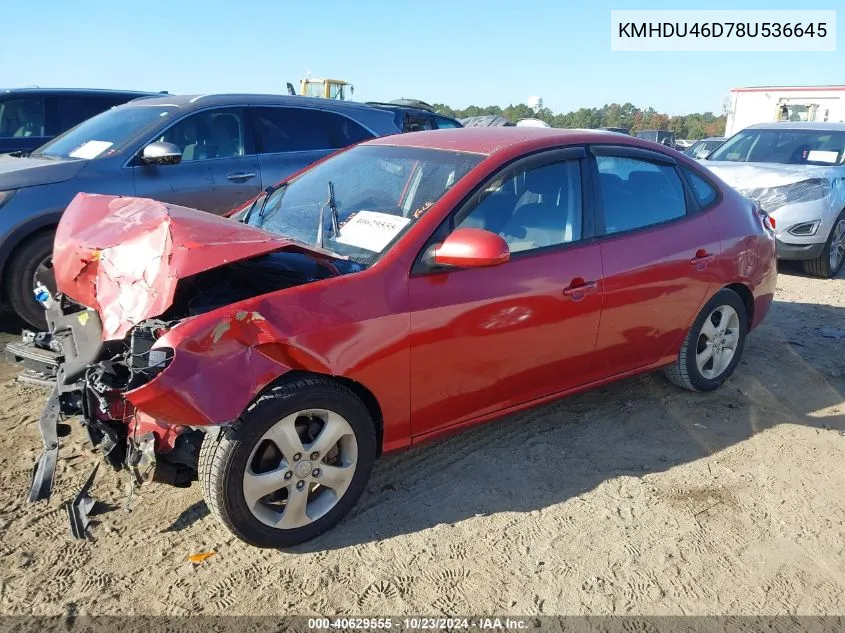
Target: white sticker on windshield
{"points": [[822, 156], [91, 149], [371, 230]]}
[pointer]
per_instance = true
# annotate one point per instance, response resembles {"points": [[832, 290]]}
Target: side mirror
{"points": [[161, 153], [703, 153], [471, 248]]}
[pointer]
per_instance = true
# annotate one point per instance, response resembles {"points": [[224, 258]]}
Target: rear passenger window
{"points": [[22, 117], [75, 110], [303, 129], [443, 123], [637, 193], [702, 190]]}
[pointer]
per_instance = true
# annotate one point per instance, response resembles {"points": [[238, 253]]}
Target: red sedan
{"points": [[398, 290]]}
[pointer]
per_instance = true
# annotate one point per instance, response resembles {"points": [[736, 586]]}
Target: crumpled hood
{"points": [[746, 176], [124, 256], [28, 172]]}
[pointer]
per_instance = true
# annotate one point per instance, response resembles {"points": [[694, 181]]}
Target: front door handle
{"points": [[243, 175], [578, 288]]}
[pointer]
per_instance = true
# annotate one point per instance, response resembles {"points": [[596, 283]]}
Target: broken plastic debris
{"points": [[198, 558]]}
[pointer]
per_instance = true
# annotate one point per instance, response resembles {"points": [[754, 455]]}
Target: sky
{"points": [[458, 53]]}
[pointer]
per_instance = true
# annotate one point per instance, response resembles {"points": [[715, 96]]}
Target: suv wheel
{"points": [[830, 261], [32, 259]]}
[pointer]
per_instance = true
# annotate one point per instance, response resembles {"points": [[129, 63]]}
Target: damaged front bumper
{"points": [[86, 379]]}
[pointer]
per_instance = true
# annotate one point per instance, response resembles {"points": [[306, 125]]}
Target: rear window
{"points": [[304, 129], [703, 191], [74, 110], [22, 117]]}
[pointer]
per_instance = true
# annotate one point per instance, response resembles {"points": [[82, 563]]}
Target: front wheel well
{"points": [[366, 396], [747, 299]]}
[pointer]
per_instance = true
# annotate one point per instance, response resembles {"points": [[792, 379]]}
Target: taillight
{"points": [[768, 221]]}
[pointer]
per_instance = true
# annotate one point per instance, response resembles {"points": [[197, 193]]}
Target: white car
{"points": [[795, 172]]}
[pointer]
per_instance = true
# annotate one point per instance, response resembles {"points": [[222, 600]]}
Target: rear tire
{"points": [[713, 347], [20, 276], [252, 474], [829, 263]]}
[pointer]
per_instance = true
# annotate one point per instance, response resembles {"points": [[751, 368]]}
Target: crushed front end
{"points": [[89, 378], [156, 333]]}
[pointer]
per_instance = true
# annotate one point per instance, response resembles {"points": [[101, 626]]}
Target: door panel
{"points": [[218, 170], [486, 339], [655, 278], [203, 185]]}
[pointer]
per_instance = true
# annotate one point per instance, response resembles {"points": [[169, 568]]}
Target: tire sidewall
{"points": [[829, 245], [21, 272], [254, 423], [723, 297]]}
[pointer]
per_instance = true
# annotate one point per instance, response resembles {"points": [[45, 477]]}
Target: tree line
{"points": [[627, 115]]}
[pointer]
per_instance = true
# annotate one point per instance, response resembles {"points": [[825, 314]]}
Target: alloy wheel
{"points": [[300, 468], [717, 342]]}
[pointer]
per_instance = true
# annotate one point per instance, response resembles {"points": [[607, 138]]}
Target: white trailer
{"points": [[766, 104]]}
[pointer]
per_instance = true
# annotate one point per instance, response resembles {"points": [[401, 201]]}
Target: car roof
{"points": [[489, 140], [190, 102], [76, 91], [800, 125]]}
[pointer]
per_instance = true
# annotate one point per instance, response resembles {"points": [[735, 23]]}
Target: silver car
{"points": [[209, 152], [795, 171]]}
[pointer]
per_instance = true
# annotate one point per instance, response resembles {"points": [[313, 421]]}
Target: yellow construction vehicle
{"points": [[323, 88]]}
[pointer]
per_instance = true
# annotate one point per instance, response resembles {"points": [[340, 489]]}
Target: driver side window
{"points": [[531, 208], [209, 134]]}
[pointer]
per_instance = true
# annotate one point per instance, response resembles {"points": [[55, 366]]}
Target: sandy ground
{"points": [[637, 498]]}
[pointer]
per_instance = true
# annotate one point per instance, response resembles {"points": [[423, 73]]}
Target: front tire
{"points": [[829, 263], [292, 466], [713, 346]]}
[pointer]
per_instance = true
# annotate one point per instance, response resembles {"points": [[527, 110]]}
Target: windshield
{"points": [[105, 133], [700, 149], [785, 146], [379, 192]]}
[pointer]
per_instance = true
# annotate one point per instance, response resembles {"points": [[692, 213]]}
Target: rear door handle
{"points": [[578, 288], [244, 175], [702, 257]]}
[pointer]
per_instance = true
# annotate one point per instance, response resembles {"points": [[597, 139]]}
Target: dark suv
{"points": [[209, 152], [664, 137], [29, 117], [412, 115]]}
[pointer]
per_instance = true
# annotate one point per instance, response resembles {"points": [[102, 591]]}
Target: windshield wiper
{"points": [[332, 205]]}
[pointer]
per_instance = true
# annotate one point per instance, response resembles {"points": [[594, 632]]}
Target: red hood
{"points": [[123, 256]]}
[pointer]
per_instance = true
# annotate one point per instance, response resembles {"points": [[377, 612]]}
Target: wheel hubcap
{"points": [[837, 245], [44, 274], [717, 342], [283, 490]]}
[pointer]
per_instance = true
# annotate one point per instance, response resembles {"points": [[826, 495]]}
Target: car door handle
{"points": [[578, 288], [702, 257], [244, 175]]}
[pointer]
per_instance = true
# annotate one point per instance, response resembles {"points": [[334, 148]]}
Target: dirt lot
{"points": [[636, 498]]}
